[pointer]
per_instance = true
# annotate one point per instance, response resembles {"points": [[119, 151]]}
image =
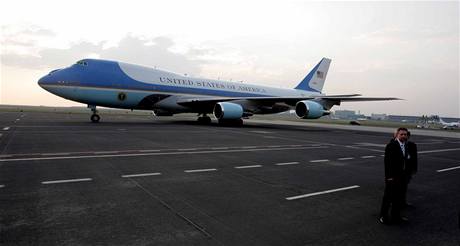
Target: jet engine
{"points": [[310, 110], [228, 111]]}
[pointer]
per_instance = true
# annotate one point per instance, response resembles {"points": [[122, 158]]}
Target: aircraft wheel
{"points": [[95, 118]]}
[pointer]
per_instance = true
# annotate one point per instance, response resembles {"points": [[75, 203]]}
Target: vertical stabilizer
{"points": [[314, 81]]}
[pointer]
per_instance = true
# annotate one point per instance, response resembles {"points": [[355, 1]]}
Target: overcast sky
{"points": [[408, 50]]}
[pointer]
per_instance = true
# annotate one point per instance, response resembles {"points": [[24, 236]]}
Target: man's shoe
{"points": [[383, 220]]}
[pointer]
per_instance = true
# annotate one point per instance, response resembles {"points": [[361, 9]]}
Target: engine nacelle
{"points": [[228, 111], [310, 110]]}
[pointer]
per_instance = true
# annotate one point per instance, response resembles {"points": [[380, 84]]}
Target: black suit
{"points": [[411, 167], [396, 166]]}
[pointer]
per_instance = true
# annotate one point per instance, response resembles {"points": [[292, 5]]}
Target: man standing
{"points": [[395, 165], [410, 170]]}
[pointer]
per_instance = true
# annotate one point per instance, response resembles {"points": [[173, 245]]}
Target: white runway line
{"points": [[261, 132], [200, 170], [220, 148], [54, 154], [274, 146], [6, 128], [249, 147], [371, 144], [323, 160], [287, 163], [321, 192], [148, 150], [139, 175], [66, 181], [437, 150], [447, 169], [186, 149], [251, 166], [2, 186], [368, 156], [153, 154], [106, 152], [345, 158]]}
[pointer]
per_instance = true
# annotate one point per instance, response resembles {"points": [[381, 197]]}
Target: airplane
{"points": [[113, 84], [448, 125]]}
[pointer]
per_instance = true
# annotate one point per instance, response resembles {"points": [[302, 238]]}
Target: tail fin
{"points": [[314, 81]]}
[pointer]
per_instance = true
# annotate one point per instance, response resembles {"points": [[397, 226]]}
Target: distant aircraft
{"points": [[121, 85], [448, 125]]}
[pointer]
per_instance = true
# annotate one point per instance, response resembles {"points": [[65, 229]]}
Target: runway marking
{"points": [[368, 156], [321, 192], [261, 132], [249, 147], [287, 163], [106, 152], [54, 154], [362, 147], [371, 144], [6, 156], [200, 170], [66, 181], [323, 160], [139, 175], [437, 150], [345, 158], [186, 149], [220, 148], [274, 146], [447, 169], [153, 154], [149, 150], [251, 166], [2, 186], [6, 128]]}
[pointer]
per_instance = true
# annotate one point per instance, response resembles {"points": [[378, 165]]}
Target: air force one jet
{"points": [[121, 85]]}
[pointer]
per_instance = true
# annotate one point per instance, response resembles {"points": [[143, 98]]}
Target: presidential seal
{"points": [[121, 96]]}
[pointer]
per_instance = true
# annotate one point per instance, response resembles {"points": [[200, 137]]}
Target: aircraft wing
{"points": [[204, 101]]}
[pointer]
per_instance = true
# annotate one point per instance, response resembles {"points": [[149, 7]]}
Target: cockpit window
{"points": [[82, 62]]}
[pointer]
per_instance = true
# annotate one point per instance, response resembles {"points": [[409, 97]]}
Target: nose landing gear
{"points": [[94, 117]]}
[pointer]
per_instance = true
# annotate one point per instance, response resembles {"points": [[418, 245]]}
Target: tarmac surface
{"points": [[143, 181]]}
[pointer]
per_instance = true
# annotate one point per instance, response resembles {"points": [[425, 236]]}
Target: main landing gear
{"points": [[204, 119], [94, 117]]}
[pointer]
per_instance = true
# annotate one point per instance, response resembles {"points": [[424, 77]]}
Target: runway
{"points": [[135, 180]]}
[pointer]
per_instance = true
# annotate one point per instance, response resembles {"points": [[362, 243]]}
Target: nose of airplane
{"points": [[47, 79], [42, 81]]}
